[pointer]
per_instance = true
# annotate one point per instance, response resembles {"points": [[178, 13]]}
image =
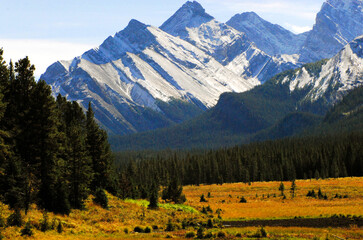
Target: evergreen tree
{"points": [[45, 122], [154, 197], [174, 192], [78, 162], [293, 188], [99, 151], [282, 188]]}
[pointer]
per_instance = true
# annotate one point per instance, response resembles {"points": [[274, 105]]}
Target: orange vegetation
{"points": [[264, 199]]}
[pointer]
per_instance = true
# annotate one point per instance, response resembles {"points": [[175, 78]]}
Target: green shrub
{"points": [[208, 235], [202, 198], [210, 223], [60, 227], [138, 229], [101, 198], [243, 200], [221, 234], [200, 233], [44, 224], [27, 230], [147, 230], [170, 226], [190, 235], [15, 219]]}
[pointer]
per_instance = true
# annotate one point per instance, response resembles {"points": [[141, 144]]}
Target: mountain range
{"points": [[144, 77], [290, 103]]}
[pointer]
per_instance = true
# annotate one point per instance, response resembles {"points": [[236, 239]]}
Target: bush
{"points": [[27, 230], [126, 230], [138, 229], [60, 227], [221, 234], [243, 200], [200, 233], [15, 219], [44, 224], [190, 235], [208, 235], [147, 230], [101, 198], [210, 223], [260, 233], [2, 222], [202, 198], [170, 227]]}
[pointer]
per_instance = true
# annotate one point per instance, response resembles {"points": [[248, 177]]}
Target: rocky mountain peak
{"points": [[190, 15]]}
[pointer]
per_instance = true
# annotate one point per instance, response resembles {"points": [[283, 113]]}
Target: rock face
{"points": [[270, 38], [146, 77], [227, 45], [330, 82], [132, 72], [338, 23]]}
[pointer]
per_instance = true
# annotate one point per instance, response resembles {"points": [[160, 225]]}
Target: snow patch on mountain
{"points": [[340, 74]]}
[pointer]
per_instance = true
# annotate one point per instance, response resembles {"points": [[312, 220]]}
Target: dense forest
{"points": [[51, 152], [287, 159]]}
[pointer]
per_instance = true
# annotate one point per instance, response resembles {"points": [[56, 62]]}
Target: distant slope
{"points": [[270, 38], [130, 73], [283, 106], [337, 23]]}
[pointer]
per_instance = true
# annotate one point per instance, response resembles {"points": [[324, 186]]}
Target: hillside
{"points": [[238, 117]]}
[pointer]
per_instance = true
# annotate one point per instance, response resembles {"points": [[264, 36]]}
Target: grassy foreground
{"points": [[264, 201]]}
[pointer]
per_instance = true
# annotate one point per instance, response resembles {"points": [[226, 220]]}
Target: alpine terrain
{"points": [[292, 100], [144, 77]]}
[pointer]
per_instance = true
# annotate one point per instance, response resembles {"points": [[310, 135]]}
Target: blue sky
{"points": [[47, 31]]}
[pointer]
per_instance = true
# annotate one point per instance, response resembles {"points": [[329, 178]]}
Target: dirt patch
{"points": [[335, 222]]}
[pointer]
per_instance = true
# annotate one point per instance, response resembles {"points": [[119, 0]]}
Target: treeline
{"points": [[51, 153], [280, 160]]}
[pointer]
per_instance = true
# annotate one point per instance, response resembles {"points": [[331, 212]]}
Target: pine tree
{"points": [[282, 188], [78, 162], [44, 129], [293, 188], [99, 151]]}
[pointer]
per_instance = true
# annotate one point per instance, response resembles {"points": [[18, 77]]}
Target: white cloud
{"points": [[298, 10], [42, 53], [297, 29]]}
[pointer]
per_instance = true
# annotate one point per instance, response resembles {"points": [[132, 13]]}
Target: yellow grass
{"points": [[98, 223], [226, 197]]}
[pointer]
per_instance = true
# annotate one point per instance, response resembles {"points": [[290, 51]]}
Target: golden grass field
{"points": [[98, 223], [261, 202]]}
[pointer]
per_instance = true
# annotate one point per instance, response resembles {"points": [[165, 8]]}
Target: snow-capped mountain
{"points": [[227, 45], [270, 38], [146, 77], [338, 23], [135, 69], [336, 77]]}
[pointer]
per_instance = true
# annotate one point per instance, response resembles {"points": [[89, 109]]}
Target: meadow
{"points": [[344, 198]]}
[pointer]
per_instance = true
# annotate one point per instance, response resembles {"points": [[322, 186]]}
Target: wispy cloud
{"points": [[41, 53], [297, 29], [303, 9]]}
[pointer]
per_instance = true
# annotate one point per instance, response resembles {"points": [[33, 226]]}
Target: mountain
{"points": [[337, 24], [227, 45], [283, 106], [270, 38], [138, 69], [144, 77]]}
